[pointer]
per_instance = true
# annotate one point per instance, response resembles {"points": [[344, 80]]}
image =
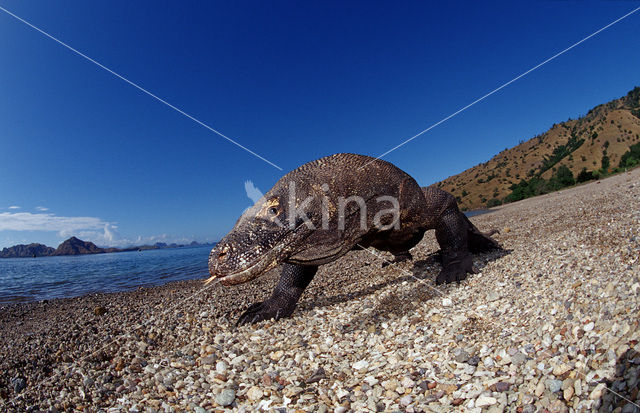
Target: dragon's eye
{"points": [[273, 211]]}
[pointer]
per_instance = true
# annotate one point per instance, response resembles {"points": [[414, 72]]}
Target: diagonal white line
{"points": [[504, 85], [140, 88], [276, 166], [621, 396], [393, 264], [605, 388]]}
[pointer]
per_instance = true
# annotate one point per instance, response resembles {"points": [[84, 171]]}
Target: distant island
{"points": [[75, 246]]}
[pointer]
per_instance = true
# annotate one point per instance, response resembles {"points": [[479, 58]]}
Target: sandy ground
{"points": [[550, 326]]}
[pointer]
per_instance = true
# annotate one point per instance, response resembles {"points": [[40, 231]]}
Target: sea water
{"points": [[45, 278]]}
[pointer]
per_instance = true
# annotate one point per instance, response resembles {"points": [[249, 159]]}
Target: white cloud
{"points": [[42, 209], [26, 221], [107, 236], [92, 229], [87, 228], [14, 207]]}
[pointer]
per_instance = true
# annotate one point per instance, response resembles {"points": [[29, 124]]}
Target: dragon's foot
{"points": [[455, 267], [266, 310]]}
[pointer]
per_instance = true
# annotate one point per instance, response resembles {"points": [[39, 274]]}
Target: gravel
{"points": [[225, 397], [552, 325]]}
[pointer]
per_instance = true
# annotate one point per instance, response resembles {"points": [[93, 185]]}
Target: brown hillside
{"points": [[613, 126]]}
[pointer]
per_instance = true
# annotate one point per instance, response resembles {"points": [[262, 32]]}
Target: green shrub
{"points": [[537, 185], [493, 202], [605, 163], [630, 158], [560, 152], [526, 189], [562, 178], [585, 176]]}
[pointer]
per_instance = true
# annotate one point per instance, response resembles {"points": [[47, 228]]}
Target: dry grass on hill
{"points": [[612, 127]]}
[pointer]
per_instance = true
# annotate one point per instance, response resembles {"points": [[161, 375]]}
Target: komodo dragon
{"points": [[328, 207]]}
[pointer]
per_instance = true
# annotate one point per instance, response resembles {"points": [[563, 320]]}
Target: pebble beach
{"points": [[549, 325]]}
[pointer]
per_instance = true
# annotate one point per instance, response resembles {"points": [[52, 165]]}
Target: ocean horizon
{"points": [[45, 278], [25, 280]]}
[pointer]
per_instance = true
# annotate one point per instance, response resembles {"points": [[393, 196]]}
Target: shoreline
{"points": [[542, 327], [66, 277], [116, 250]]}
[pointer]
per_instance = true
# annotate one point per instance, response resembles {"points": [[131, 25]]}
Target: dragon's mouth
{"points": [[254, 270]]}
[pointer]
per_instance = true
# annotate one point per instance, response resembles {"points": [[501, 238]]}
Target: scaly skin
{"points": [[273, 232], [456, 235]]}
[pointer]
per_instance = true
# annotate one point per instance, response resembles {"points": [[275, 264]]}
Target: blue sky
{"points": [[84, 153]]}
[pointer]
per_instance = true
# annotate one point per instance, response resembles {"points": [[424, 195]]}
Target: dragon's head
{"points": [[264, 236]]}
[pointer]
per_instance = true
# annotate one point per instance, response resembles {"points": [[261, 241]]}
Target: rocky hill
{"points": [[593, 143], [75, 246], [31, 250]]}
